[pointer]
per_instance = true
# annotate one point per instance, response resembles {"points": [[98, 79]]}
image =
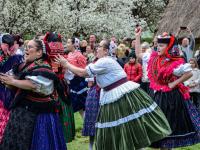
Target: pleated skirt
{"points": [[67, 120], [132, 122], [183, 117]]}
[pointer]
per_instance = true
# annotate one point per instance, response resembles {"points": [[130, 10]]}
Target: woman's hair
{"points": [[106, 44], [52, 37], [121, 50], [145, 45], [8, 39], [18, 38], [73, 39], [195, 62], [39, 44], [83, 42], [42, 46], [26, 42]]}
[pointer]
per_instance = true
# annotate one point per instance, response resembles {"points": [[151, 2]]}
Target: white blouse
{"points": [[195, 79], [107, 71], [183, 68]]}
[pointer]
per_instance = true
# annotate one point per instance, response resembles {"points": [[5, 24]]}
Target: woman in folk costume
{"points": [[128, 118], [91, 109], [8, 58], [167, 71], [65, 110], [34, 122], [77, 85]]}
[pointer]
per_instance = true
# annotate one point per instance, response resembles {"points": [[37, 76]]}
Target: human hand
{"points": [[172, 85], [61, 60], [189, 30], [7, 79], [138, 31]]}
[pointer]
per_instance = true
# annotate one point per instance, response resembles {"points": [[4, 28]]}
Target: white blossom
{"points": [[71, 17]]}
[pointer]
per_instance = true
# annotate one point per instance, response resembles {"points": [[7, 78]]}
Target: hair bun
{"points": [[8, 39]]}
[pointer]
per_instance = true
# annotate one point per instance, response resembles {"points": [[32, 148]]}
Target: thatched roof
{"points": [[181, 13]]}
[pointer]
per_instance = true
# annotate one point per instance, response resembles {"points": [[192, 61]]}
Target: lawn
{"points": [[81, 143]]}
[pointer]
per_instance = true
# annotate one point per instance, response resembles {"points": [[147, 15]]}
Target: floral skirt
{"points": [[91, 112], [132, 122]]}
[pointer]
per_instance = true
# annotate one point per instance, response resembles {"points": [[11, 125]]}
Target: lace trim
{"points": [[116, 93], [128, 118]]}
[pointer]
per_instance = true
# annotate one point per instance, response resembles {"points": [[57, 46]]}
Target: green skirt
{"points": [[67, 119], [132, 122]]}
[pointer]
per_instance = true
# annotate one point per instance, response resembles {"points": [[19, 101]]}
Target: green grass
{"points": [[81, 143]]}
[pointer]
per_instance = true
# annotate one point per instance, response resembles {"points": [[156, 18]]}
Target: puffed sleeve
{"points": [[44, 85], [97, 68], [182, 69]]}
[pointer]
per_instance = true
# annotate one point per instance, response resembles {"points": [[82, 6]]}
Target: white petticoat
{"points": [[113, 95]]}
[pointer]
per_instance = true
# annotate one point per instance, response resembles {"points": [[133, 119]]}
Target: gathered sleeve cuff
{"points": [[183, 68]]}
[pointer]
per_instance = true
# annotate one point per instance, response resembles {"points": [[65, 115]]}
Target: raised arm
{"points": [[138, 50], [192, 39], [177, 33]]}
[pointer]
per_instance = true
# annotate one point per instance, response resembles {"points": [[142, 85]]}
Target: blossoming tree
{"points": [[76, 17]]}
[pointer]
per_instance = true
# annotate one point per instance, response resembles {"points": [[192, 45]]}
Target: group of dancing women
{"points": [[40, 92]]}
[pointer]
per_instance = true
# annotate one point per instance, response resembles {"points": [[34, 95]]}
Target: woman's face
{"points": [[132, 60], [88, 50], [31, 52], [70, 45], [101, 52], [161, 49], [84, 43], [192, 64]]}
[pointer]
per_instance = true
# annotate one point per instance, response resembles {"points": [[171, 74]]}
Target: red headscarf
{"points": [[54, 42]]}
